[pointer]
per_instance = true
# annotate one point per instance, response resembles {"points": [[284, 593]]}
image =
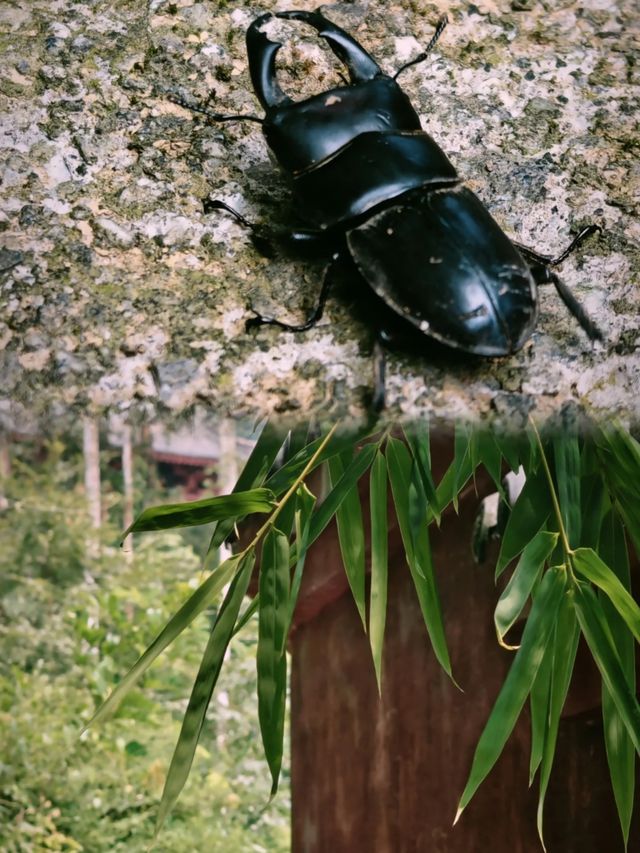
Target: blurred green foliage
{"points": [[74, 616]]}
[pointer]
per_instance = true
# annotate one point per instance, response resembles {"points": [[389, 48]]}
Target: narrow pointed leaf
{"points": [[539, 707], [453, 480], [490, 456], [518, 590], [379, 562], [590, 566], [271, 655], [564, 646], [293, 446], [528, 514], [619, 453], [203, 687], [566, 452], [620, 752], [518, 683], [284, 478], [252, 476], [204, 511], [418, 440], [409, 502], [247, 615], [511, 447], [463, 459], [195, 604], [305, 502], [330, 505], [350, 535], [598, 636], [593, 494]]}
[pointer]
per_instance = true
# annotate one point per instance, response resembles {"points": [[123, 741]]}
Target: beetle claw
{"points": [[262, 65], [361, 65]]}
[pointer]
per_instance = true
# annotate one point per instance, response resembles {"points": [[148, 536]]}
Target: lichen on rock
{"points": [[119, 292]]}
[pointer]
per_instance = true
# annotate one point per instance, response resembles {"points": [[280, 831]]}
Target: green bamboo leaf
{"points": [[619, 455], [621, 759], [271, 654], [518, 590], [283, 479], [379, 562], [598, 636], [204, 511], [528, 514], [294, 444], [350, 534], [252, 475], [330, 505], [417, 436], [410, 504], [453, 481], [511, 446], [566, 451], [490, 456], [594, 505], [195, 604], [518, 683], [203, 687], [249, 612], [620, 752], [463, 458], [532, 456], [539, 706], [590, 566], [564, 647], [305, 502]]}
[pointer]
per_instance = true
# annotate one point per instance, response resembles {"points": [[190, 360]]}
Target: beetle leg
{"points": [[316, 315], [210, 204], [262, 64], [260, 240], [543, 275], [547, 260], [442, 23], [305, 242], [361, 65]]}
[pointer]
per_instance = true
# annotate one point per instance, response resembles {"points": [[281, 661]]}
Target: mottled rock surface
{"points": [[118, 292]]}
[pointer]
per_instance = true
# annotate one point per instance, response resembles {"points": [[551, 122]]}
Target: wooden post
{"points": [[91, 449], [5, 458], [227, 466], [127, 484], [383, 775]]}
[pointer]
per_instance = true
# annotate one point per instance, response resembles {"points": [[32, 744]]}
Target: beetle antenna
{"points": [[442, 23], [196, 108]]}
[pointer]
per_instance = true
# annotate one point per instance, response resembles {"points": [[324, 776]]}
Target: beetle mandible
{"points": [[373, 187]]}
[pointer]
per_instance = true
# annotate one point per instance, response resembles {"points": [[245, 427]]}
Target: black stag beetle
{"points": [[373, 187]]}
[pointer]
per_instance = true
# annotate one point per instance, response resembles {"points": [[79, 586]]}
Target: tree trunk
{"points": [[385, 774], [127, 483], [91, 448]]}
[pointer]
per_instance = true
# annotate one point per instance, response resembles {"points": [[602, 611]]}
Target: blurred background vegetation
{"points": [[75, 614]]}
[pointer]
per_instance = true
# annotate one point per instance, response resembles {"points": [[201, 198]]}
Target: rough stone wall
{"points": [[118, 292]]}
